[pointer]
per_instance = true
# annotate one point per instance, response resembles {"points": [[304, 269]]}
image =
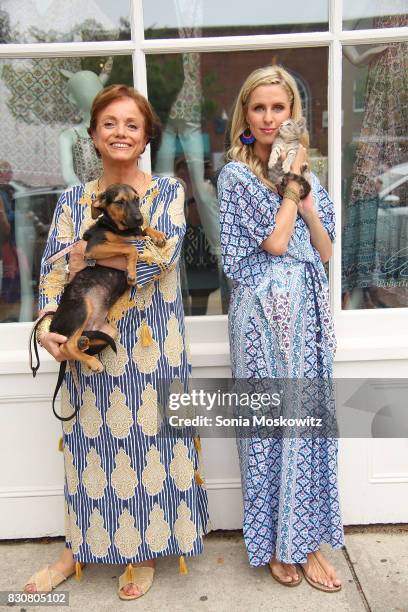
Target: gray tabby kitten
{"points": [[287, 140]]}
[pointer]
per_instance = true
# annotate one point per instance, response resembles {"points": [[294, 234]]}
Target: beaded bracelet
{"points": [[291, 194], [304, 185]]}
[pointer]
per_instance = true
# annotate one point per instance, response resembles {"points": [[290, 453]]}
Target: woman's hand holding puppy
{"points": [[50, 340], [77, 261]]}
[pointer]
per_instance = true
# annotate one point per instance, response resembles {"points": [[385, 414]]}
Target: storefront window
{"points": [[375, 176], [187, 18], [31, 21], [44, 146], [193, 94], [361, 14]]}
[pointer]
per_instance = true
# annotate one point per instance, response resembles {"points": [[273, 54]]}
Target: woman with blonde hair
{"points": [[280, 326]]}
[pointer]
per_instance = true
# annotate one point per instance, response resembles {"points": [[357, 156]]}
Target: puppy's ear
{"points": [[98, 205]]}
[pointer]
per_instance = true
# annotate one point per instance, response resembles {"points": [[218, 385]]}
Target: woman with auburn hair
{"points": [[132, 488], [280, 326]]}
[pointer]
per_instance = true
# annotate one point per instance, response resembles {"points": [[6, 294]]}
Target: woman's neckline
{"points": [[91, 186]]}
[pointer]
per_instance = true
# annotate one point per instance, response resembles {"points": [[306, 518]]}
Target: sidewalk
{"points": [[373, 567]]}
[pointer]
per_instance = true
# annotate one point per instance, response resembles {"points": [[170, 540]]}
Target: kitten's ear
{"points": [[302, 123], [98, 205]]}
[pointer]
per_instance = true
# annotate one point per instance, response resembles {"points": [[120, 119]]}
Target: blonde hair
{"points": [[269, 75]]}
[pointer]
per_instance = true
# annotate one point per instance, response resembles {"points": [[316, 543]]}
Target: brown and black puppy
{"points": [[81, 314]]}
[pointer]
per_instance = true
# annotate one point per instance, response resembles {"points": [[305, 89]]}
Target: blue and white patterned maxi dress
{"points": [[130, 479], [280, 325]]}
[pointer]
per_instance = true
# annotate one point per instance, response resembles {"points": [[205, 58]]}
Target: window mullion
{"points": [[236, 43], [376, 35], [336, 16], [139, 60], [335, 169], [139, 64]]}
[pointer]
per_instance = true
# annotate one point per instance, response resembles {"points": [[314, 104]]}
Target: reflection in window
{"points": [[361, 14], [201, 276], [375, 179], [31, 21], [44, 112], [172, 18], [194, 94]]}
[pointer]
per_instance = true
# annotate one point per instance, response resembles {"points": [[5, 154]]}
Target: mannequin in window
{"points": [[382, 145], [184, 122], [201, 266], [79, 160]]}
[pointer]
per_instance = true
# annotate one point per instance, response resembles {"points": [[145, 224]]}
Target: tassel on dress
{"points": [[197, 443], [199, 480], [61, 444], [183, 566], [145, 335], [78, 570], [130, 577]]}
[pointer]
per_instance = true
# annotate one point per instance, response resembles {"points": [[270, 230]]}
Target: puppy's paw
{"points": [[92, 363], [97, 367], [160, 239], [131, 280]]}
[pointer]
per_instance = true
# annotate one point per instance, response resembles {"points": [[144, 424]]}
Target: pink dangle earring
{"points": [[247, 137]]}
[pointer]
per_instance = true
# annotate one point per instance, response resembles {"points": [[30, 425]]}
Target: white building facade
{"points": [[190, 58]]}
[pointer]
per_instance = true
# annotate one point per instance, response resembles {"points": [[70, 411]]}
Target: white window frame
{"points": [[363, 335]]}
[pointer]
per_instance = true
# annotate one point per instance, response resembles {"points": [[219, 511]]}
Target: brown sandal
{"points": [[141, 576], [318, 585], [293, 583]]}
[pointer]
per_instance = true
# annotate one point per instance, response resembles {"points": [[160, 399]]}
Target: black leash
{"points": [[32, 343], [61, 374], [92, 350]]}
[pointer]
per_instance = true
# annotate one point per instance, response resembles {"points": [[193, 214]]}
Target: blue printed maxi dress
{"points": [[131, 486], [280, 325]]}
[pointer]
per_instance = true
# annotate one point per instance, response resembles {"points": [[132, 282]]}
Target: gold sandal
{"points": [[141, 576], [46, 579]]}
